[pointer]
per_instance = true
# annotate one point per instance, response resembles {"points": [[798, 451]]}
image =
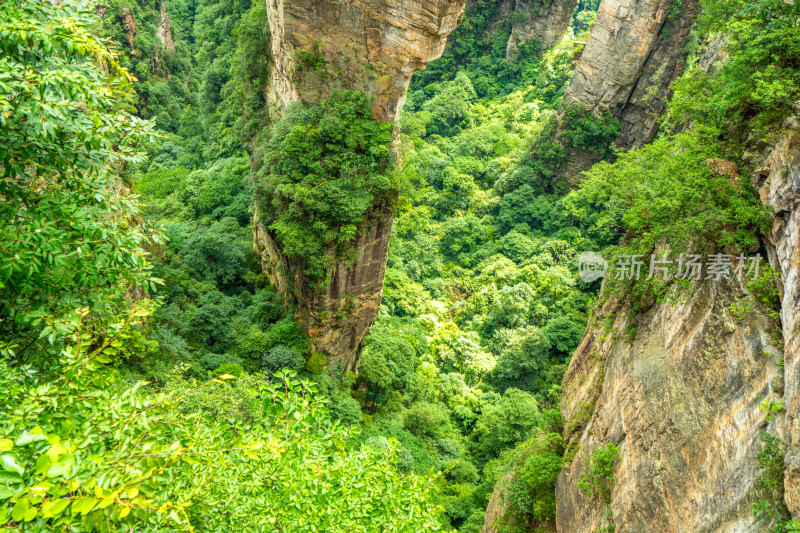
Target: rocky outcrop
{"points": [[681, 399], [541, 20], [778, 180], [371, 46], [319, 46], [128, 25], [636, 49], [339, 315], [164, 29]]}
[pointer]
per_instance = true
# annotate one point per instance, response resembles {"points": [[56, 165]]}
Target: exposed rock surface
{"points": [[681, 400], [373, 46], [778, 180], [337, 317], [635, 50], [164, 29], [129, 25], [544, 20]]}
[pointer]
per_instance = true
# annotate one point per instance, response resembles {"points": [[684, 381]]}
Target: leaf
{"points": [[27, 438], [5, 444], [5, 493], [84, 505], [19, 510], [57, 507], [125, 511], [11, 464], [31, 514], [9, 477]]}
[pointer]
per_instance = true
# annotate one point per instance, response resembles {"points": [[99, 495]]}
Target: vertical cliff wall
{"points": [[681, 399], [542, 20], [373, 46], [635, 50], [777, 175]]}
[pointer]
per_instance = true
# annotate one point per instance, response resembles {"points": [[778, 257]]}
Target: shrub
{"points": [[321, 170], [280, 357], [599, 477]]}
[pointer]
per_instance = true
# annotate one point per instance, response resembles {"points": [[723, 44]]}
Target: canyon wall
{"points": [[777, 176], [541, 20], [319, 46], [635, 50], [683, 397], [372, 46]]}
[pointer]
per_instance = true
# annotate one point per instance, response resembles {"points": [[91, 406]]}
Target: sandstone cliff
{"points": [[778, 178], [370, 46], [319, 46], [542, 20], [635, 50], [683, 398]]}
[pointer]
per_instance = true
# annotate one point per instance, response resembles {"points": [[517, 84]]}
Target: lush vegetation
{"points": [[153, 374], [321, 169]]}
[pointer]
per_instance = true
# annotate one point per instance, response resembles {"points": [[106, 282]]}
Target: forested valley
{"points": [[156, 375]]}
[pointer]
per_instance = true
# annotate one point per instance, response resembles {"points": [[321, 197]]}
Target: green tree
{"points": [[67, 234]]}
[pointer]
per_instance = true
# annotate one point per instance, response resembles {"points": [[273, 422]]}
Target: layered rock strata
{"points": [[681, 397], [635, 50], [778, 179], [539, 20], [373, 46]]}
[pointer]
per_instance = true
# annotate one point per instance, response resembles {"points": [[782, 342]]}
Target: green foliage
{"points": [[66, 237], [531, 490], [321, 170], [589, 131], [171, 471], [598, 477], [282, 357], [770, 506], [309, 59], [639, 195], [758, 84]]}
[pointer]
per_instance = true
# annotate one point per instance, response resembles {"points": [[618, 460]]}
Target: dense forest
{"points": [[156, 379]]}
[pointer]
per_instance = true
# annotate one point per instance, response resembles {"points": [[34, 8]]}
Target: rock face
{"points": [[373, 46], [681, 400], [164, 29], [635, 50], [319, 46], [544, 20], [129, 25], [337, 317], [778, 179]]}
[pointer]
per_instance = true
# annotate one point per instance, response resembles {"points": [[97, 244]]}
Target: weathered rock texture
{"points": [[681, 400], [338, 316], [778, 179], [543, 20], [373, 46], [164, 29], [635, 50], [129, 25]]}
